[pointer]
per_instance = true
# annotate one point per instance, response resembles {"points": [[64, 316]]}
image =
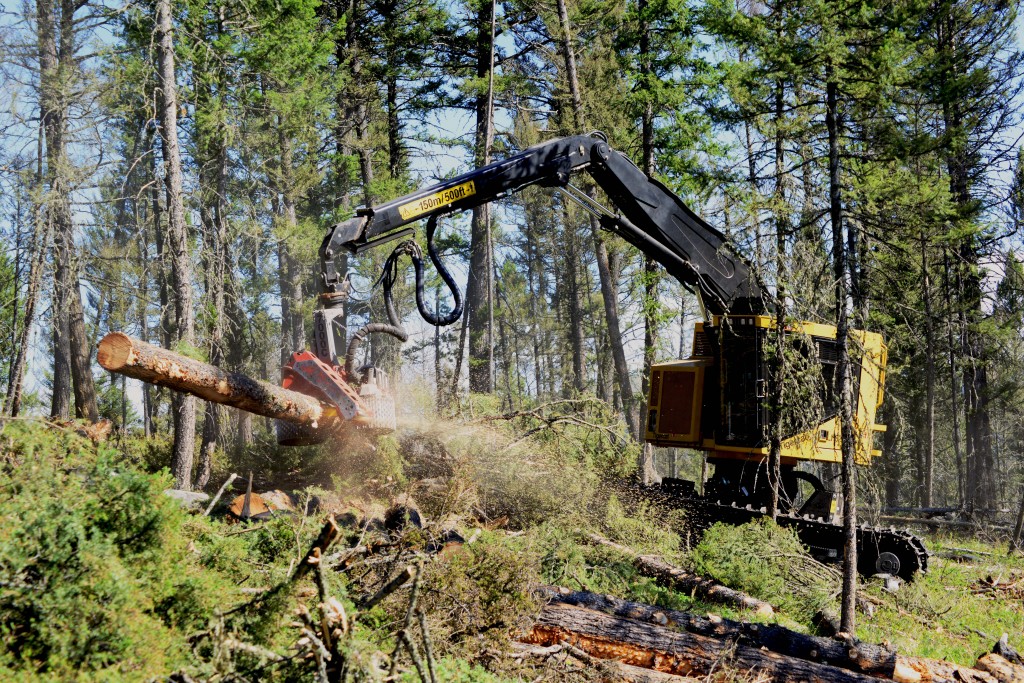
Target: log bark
{"points": [[859, 657], [654, 647], [632, 642], [681, 580], [612, 670], [127, 356], [914, 669], [1001, 668], [950, 523]]}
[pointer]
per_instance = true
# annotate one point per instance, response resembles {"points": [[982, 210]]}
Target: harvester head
{"points": [[371, 408]]}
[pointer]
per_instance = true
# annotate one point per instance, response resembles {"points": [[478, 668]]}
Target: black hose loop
{"points": [[356, 342], [456, 312]]}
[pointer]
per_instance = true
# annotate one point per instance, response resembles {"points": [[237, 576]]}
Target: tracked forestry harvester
{"points": [[717, 401]]}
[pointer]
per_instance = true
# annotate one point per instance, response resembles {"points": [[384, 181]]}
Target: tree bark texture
{"points": [[638, 644], [863, 658], [479, 289], [682, 644], [56, 30], [183, 406], [127, 356], [843, 387]]}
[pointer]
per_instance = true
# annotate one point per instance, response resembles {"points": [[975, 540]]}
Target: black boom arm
{"points": [[650, 216]]}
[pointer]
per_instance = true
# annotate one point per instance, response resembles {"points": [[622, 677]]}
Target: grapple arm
{"points": [[649, 216]]}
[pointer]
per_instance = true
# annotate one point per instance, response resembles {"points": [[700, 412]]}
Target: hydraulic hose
{"points": [[388, 279], [390, 276], [357, 341]]}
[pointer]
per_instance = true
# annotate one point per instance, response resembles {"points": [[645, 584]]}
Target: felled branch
{"points": [[681, 580]]}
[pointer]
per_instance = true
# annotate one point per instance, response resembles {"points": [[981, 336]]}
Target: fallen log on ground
{"points": [[611, 667], [860, 657], [1001, 668], [134, 358], [915, 669], [610, 628], [604, 636], [683, 581], [950, 523]]}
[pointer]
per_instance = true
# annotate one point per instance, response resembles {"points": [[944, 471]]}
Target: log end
{"points": [[115, 351]]}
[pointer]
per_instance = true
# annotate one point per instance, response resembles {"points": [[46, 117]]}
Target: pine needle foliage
{"points": [[769, 562]]}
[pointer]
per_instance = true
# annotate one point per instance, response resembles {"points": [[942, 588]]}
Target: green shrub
{"points": [[480, 595], [97, 574], [769, 562]]}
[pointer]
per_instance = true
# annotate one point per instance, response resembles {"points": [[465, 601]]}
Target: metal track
{"points": [[893, 551]]}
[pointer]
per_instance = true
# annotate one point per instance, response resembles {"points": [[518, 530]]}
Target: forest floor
{"points": [[103, 577]]}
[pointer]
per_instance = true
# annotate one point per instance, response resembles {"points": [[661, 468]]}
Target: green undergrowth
{"points": [[103, 577], [769, 562], [948, 613]]}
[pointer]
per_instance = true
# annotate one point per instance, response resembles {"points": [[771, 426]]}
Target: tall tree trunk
{"points": [[781, 281], [843, 388], [752, 180], [293, 328], [609, 285], [954, 407], [388, 12], [38, 248], [212, 212], [929, 370], [164, 327], [142, 308], [57, 62], [183, 406], [479, 288], [79, 343], [243, 437], [358, 112], [570, 296], [60, 391], [652, 276]]}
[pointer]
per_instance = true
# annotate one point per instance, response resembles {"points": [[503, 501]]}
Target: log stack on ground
{"points": [[684, 644], [134, 358]]}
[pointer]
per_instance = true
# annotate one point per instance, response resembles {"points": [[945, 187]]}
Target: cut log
{"points": [[938, 671], [617, 671], [1001, 668], [683, 581], [949, 523], [860, 657], [635, 674], [134, 358], [654, 647]]}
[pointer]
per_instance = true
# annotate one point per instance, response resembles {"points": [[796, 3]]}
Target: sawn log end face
{"points": [[115, 351]]}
